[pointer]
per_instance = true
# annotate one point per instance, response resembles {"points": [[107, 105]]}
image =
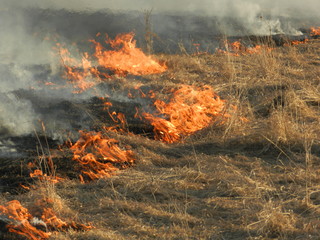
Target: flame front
{"points": [[125, 58], [190, 109], [99, 155]]}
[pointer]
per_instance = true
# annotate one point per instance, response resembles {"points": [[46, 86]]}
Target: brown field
{"points": [[254, 179]]}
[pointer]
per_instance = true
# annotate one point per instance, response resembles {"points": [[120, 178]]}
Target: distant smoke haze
{"points": [[212, 7], [253, 16]]}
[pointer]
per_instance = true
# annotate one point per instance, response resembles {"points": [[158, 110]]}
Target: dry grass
{"points": [[255, 179]]}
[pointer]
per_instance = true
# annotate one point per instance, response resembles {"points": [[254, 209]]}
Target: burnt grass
{"points": [[257, 178]]}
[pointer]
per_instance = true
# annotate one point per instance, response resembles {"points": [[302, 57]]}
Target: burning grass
{"points": [[20, 221], [124, 58], [100, 156], [315, 31], [255, 179], [238, 49], [189, 110]]}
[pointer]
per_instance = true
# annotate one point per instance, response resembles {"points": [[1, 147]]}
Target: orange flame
{"points": [[238, 49], [44, 177], [99, 155], [125, 58], [315, 31], [118, 118], [297, 42], [78, 73], [21, 221], [189, 110]]}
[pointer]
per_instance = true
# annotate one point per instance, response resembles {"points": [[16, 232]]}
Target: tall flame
{"points": [[189, 110], [125, 58], [99, 155]]}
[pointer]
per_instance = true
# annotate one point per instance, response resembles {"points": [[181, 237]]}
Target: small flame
{"points": [[315, 31], [189, 110], [238, 49], [297, 42], [44, 177], [118, 118], [78, 73], [22, 222], [99, 155]]}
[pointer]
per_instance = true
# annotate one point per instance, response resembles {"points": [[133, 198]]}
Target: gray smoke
{"points": [[16, 117], [217, 7]]}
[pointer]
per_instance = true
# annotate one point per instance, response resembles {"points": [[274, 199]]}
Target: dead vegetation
{"points": [[253, 179]]}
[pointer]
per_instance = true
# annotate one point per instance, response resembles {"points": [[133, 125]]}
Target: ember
{"points": [[99, 155], [189, 110]]}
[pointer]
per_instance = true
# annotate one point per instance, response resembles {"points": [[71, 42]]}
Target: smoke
{"points": [[17, 117], [217, 7], [30, 29]]}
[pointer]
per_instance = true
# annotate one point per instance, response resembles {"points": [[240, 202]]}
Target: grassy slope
{"points": [[245, 180]]}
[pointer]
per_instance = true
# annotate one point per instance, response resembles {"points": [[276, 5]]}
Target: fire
{"points": [[297, 42], [125, 58], [79, 73], [118, 118], [44, 177], [53, 222], [315, 32], [238, 49], [189, 110], [197, 50], [43, 168], [22, 222], [99, 155]]}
